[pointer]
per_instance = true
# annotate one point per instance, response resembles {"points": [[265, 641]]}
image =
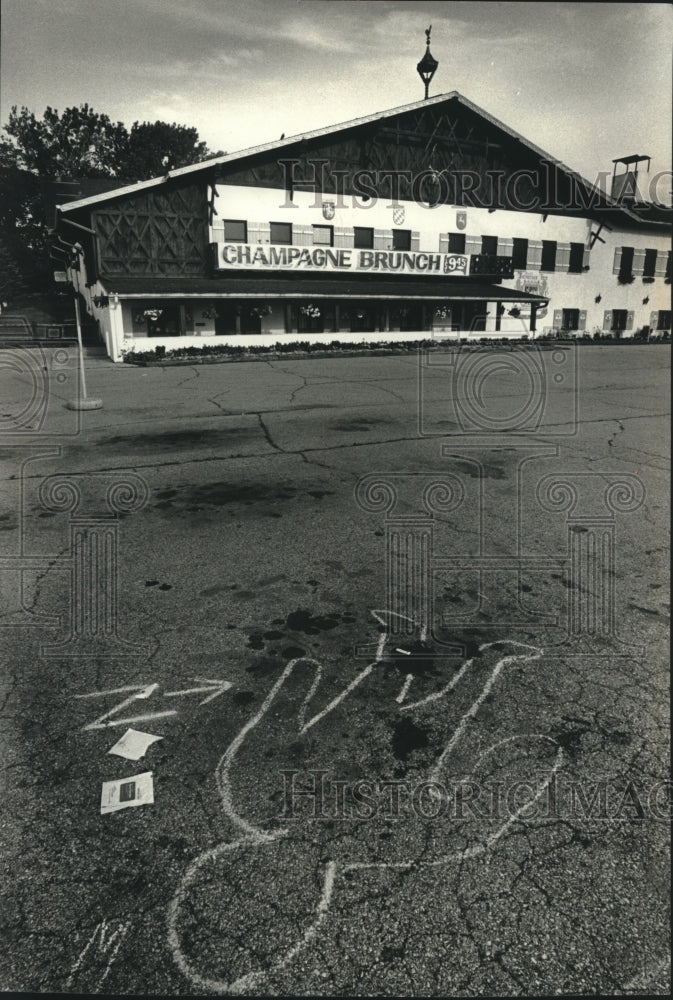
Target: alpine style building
{"points": [[429, 220]]}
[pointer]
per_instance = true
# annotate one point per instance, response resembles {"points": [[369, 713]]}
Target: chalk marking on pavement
{"points": [[357, 680], [339, 698], [142, 691], [405, 687], [485, 691], [439, 694], [479, 849], [255, 838], [214, 687], [301, 715], [104, 946]]}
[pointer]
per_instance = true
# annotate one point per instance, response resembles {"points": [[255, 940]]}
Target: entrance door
{"points": [[250, 320], [411, 317], [225, 318]]}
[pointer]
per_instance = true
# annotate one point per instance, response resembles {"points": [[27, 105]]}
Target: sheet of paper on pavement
{"points": [[137, 790], [134, 744]]}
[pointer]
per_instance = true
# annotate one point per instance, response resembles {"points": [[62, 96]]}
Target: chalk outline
{"points": [[103, 946], [254, 837]]}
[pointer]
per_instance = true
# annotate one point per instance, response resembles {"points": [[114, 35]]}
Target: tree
{"points": [[77, 143], [154, 147]]}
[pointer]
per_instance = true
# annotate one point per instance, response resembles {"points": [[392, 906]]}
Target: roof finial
{"points": [[427, 66]]}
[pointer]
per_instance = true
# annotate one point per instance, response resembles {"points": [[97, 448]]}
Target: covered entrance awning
{"points": [[302, 287]]}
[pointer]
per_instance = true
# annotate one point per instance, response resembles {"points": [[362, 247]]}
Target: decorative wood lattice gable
{"points": [[432, 149], [155, 232]]}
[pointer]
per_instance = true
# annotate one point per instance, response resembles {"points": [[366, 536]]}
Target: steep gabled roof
{"points": [[280, 144]]}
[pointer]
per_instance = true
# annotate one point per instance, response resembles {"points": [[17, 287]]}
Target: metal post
{"points": [[79, 341], [83, 402]]}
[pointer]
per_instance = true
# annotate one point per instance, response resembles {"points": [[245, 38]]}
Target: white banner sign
{"points": [[246, 256]]}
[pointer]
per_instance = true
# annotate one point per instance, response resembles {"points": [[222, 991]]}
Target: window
{"points": [[668, 266], [456, 242], [576, 258], [489, 245], [650, 263], [664, 319], [163, 321], [363, 239], [401, 239], [571, 319], [281, 232], [519, 253], [323, 236], [548, 255], [618, 319], [235, 231]]}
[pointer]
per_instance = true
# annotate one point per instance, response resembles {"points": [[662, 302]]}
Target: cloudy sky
{"points": [[586, 82]]}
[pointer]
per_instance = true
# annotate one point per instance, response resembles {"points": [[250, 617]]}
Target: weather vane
{"points": [[427, 66]]}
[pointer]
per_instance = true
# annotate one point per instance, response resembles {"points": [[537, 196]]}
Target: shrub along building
{"points": [[431, 219]]}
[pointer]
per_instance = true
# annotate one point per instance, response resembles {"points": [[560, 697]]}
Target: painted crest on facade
{"points": [[398, 215], [328, 209], [461, 220]]}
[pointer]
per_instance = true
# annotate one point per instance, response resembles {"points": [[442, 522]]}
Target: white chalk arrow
{"points": [[142, 691], [214, 687]]}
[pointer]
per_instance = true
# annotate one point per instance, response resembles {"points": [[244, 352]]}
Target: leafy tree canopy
{"points": [[80, 142], [74, 144]]}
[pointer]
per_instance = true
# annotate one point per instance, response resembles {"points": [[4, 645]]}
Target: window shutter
{"points": [[383, 239], [264, 232], [617, 261], [343, 237], [302, 236], [660, 267], [472, 244], [607, 319], [638, 262], [562, 257], [557, 322], [586, 259], [505, 247], [582, 321], [629, 320], [534, 255], [443, 242], [654, 320], [415, 241], [254, 235]]}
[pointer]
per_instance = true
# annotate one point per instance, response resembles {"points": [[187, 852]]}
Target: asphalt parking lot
{"points": [[401, 626]]}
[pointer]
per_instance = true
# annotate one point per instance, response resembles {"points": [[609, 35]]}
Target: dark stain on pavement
{"points": [[475, 471], [303, 621], [357, 424], [182, 439], [293, 652], [208, 496], [570, 737], [408, 737], [243, 697]]}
